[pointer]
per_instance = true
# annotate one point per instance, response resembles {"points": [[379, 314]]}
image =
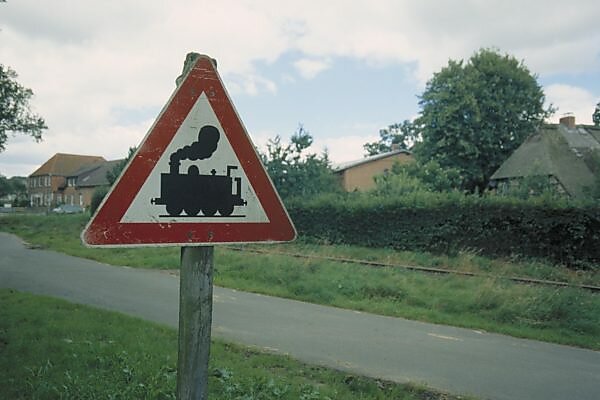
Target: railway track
{"points": [[379, 264]]}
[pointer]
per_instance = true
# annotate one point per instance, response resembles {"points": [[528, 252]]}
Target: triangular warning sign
{"points": [[195, 179]]}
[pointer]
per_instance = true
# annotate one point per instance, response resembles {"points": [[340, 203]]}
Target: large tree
{"points": [[596, 115], [474, 114], [15, 113], [294, 171], [403, 135]]}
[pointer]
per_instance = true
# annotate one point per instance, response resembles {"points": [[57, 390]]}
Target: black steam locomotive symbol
{"points": [[193, 192]]}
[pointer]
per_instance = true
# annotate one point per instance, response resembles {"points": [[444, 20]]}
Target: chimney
{"points": [[568, 121]]}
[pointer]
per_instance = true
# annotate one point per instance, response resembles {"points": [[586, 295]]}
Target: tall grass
{"points": [[562, 315]]}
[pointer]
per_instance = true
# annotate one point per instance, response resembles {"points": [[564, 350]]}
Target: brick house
{"points": [[46, 186], [85, 181], [359, 175]]}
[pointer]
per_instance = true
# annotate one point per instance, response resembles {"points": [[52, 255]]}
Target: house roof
{"points": [[94, 175], [558, 151], [351, 164], [65, 164]]}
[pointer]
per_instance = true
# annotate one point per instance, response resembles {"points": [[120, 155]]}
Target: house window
{"points": [[80, 199], [59, 198]]}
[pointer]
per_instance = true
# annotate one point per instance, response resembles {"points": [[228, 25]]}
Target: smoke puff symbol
{"points": [[208, 138]]}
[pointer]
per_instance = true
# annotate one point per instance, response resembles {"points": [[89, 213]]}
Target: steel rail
{"points": [[530, 281]]}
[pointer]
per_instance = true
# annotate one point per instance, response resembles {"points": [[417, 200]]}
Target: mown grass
{"points": [[52, 349], [561, 315]]}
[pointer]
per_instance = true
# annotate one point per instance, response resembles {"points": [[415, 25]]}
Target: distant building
{"points": [[55, 181], [560, 153], [85, 181], [359, 175]]}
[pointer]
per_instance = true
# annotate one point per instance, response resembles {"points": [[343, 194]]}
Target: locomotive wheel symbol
{"points": [[174, 209], [226, 210], [209, 211], [192, 210]]}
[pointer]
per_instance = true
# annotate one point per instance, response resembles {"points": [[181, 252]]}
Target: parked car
{"points": [[67, 209]]}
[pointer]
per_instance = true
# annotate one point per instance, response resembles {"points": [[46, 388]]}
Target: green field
{"points": [[52, 349], [562, 315]]}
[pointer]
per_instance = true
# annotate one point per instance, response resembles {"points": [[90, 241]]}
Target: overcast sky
{"points": [[102, 70]]}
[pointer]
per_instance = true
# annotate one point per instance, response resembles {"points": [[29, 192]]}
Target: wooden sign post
{"points": [[195, 318], [195, 180]]}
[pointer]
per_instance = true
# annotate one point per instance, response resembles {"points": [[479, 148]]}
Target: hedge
{"points": [[564, 234]]}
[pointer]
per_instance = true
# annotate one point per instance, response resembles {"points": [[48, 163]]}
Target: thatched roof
{"points": [[558, 151]]}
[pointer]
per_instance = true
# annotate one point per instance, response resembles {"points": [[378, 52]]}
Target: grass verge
{"points": [[52, 349], [560, 315]]}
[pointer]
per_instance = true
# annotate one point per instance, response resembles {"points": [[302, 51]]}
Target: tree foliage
{"points": [[5, 186], [114, 172], [15, 113], [415, 177], [474, 114], [15, 186], [294, 171], [404, 135], [596, 115]]}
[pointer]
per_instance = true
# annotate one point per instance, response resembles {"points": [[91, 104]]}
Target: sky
{"points": [[102, 70]]}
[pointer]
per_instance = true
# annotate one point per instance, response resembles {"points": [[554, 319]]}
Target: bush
{"points": [[97, 198], [449, 223]]}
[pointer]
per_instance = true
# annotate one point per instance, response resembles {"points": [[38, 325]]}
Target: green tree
{"points": [[111, 177], [14, 186], [474, 114], [294, 171], [5, 186], [15, 113], [114, 172], [417, 177], [404, 135], [596, 115]]}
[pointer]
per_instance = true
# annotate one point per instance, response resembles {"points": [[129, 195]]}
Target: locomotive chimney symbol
{"points": [[194, 192]]}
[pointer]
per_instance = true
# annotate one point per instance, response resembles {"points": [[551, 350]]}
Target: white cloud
{"points": [[339, 149], [85, 60], [570, 99], [309, 68], [342, 149]]}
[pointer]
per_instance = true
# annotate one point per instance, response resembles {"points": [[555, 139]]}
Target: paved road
{"points": [[451, 359]]}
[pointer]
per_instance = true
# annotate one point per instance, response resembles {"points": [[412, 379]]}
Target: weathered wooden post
{"points": [[194, 181], [195, 318]]}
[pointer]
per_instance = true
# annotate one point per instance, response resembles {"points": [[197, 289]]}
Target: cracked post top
{"points": [[190, 60]]}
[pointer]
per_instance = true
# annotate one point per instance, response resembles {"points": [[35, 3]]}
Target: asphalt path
{"points": [[459, 361]]}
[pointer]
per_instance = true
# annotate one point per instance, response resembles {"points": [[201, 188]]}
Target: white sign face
{"points": [[198, 178]]}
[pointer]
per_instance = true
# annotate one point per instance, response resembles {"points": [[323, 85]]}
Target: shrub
{"points": [[453, 222], [97, 198]]}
